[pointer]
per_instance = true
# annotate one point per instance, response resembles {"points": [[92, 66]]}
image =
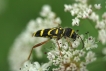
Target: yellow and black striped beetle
{"points": [[56, 33]]}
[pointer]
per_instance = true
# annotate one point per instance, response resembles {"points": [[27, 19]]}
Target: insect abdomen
{"points": [[41, 33], [52, 33]]}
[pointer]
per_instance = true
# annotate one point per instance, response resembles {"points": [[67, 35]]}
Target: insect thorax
{"points": [[68, 32]]}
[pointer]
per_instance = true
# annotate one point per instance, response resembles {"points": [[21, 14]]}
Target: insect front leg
{"points": [[39, 44]]}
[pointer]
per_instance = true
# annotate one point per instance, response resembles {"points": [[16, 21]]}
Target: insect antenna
{"points": [[81, 38]]}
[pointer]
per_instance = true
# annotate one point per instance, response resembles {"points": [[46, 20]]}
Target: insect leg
{"points": [[69, 41], [39, 44], [58, 46], [82, 41]]}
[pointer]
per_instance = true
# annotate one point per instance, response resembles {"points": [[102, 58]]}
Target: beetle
{"points": [[56, 33]]}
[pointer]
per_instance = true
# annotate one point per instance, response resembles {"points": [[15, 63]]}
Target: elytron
{"points": [[56, 33]]}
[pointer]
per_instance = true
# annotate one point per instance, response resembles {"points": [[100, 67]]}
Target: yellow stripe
{"points": [[72, 33], [41, 33], [63, 31], [56, 31], [50, 31]]}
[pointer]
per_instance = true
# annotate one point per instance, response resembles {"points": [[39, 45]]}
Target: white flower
{"points": [[50, 56], [76, 52], [51, 15], [74, 11], [28, 67], [42, 67], [35, 66], [76, 43], [76, 58], [66, 59], [57, 20], [100, 24], [73, 67], [45, 10], [90, 57], [75, 22], [69, 55], [39, 21], [102, 36], [94, 17], [65, 46], [90, 43], [104, 15], [85, 14], [83, 64], [81, 53], [67, 7], [97, 6]]}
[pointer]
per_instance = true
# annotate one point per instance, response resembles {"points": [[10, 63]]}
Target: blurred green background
{"points": [[15, 14]]}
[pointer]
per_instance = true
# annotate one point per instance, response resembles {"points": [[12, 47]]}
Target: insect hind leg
{"points": [[39, 44]]}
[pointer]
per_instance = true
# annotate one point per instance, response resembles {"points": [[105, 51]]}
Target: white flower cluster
{"points": [[90, 43], [24, 42], [81, 10], [35, 67], [72, 59], [101, 25], [97, 6]]}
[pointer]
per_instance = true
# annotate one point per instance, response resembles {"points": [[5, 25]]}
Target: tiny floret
{"points": [[97, 6]]}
